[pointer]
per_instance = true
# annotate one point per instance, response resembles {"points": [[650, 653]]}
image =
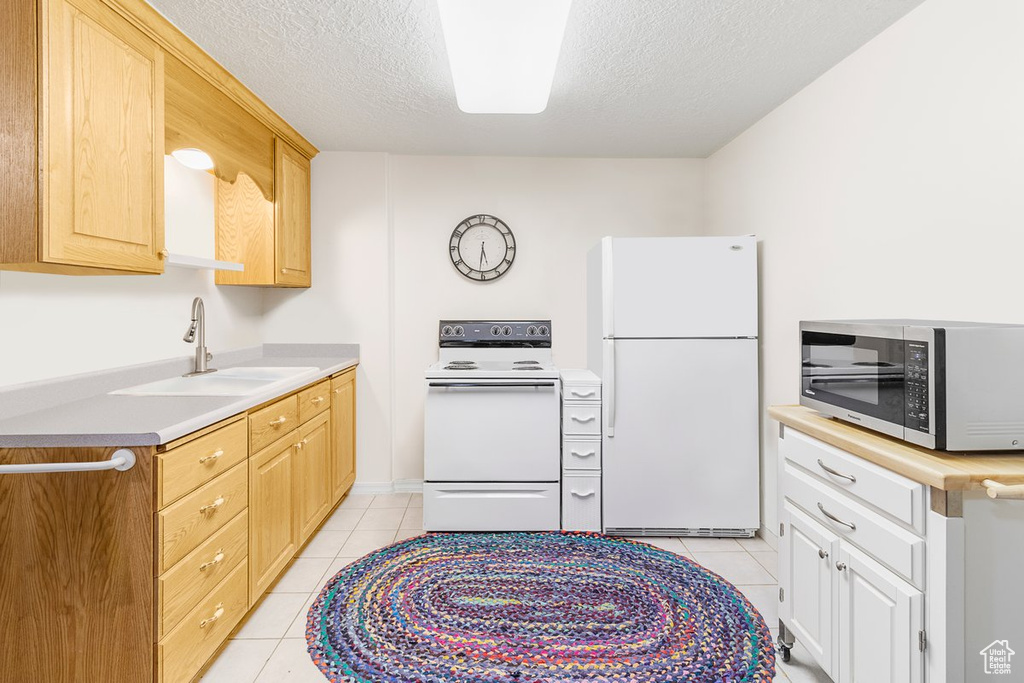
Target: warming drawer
{"points": [[490, 507]]}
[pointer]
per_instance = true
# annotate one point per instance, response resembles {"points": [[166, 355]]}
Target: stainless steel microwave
{"points": [[954, 386]]}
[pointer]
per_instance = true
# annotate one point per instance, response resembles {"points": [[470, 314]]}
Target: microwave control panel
{"points": [[916, 386]]}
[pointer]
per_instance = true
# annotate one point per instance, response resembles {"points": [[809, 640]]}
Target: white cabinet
{"points": [[581, 451], [808, 601], [847, 562], [880, 619]]}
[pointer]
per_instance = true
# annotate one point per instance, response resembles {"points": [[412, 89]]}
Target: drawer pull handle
{"points": [[217, 559], [583, 394], [583, 455], [822, 554], [212, 456], [212, 506], [849, 477], [317, 400], [278, 422], [302, 444], [216, 615], [850, 525], [589, 418], [576, 493], [841, 566]]}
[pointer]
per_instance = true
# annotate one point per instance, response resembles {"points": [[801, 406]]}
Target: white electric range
{"points": [[492, 429]]}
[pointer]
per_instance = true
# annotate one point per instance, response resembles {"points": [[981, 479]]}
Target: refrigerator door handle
{"points": [[609, 387]]}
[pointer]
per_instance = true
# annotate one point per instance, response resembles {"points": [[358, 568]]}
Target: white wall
{"points": [[382, 276], [557, 209], [55, 325], [350, 297], [893, 186]]}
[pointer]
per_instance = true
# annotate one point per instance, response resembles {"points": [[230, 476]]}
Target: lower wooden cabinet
{"points": [[272, 519], [312, 463], [343, 430]]}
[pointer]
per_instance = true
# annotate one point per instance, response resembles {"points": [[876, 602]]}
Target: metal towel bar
{"points": [[121, 460]]}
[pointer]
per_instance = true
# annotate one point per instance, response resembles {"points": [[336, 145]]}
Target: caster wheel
{"points": [[784, 650]]}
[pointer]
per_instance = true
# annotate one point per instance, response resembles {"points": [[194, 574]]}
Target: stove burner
{"points": [[461, 366], [528, 367], [809, 364], [526, 362], [462, 362]]}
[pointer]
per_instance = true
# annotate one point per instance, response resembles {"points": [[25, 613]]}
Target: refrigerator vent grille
{"points": [[700, 533]]}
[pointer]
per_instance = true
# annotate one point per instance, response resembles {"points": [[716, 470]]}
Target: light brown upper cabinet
{"points": [[83, 147], [292, 234]]}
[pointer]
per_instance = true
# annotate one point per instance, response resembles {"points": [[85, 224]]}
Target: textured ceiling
{"points": [[637, 78]]}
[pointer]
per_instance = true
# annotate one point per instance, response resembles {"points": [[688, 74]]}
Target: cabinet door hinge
{"points": [[922, 640], [782, 594], [782, 529], [782, 431]]}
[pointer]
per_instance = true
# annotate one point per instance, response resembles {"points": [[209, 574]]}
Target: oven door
{"points": [[491, 430], [847, 373]]}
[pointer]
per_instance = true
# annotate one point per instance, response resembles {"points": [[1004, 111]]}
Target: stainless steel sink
{"points": [[228, 382]]}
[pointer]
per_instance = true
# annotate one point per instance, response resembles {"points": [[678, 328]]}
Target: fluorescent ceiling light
{"points": [[503, 53], [193, 158]]}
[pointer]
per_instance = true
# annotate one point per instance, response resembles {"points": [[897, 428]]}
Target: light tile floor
{"points": [[271, 646]]}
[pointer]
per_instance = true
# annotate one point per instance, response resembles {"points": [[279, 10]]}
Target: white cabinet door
{"points": [[808, 607], [880, 617]]}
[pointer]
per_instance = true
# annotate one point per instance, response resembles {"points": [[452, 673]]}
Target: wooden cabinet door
{"points": [[880, 618], [292, 220], [807, 553], [272, 529], [343, 428], [312, 475], [103, 134]]}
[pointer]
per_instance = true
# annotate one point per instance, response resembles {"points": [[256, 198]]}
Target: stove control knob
{"points": [[531, 331], [507, 331], [496, 331], [543, 331], [446, 331], [459, 331]]}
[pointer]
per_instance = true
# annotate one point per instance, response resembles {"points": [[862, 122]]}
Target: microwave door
{"points": [[862, 377]]}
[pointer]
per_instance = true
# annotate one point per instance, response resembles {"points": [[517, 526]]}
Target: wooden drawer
{"points": [[314, 400], [181, 587], [581, 418], [889, 493], [892, 545], [184, 651], [581, 501], [581, 392], [581, 454], [184, 525], [183, 469], [269, 424]]}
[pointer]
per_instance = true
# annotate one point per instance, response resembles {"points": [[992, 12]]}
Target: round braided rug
{"points": [[531, 608]]}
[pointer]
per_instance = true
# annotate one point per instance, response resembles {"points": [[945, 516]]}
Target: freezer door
{"points": [[669, 287], [684, 454]]}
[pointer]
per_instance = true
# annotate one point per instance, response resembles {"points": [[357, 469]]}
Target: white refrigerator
{"points": [[672, 332]]}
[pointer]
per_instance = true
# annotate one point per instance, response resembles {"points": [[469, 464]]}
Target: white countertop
{"points": [[79, 411]]}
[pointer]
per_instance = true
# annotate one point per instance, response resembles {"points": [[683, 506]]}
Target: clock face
{"points": [[482, 248]]}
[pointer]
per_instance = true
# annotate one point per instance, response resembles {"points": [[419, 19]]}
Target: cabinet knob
{"points": [[278, 422], [822, 554], [841, 566], [317, 400], [163, 253]]}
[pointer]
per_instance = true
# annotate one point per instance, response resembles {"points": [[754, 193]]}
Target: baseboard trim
{"points": [[769, 537], [381, 487]]}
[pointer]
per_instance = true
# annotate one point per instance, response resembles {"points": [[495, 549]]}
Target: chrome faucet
{"points": [[203, 357]]}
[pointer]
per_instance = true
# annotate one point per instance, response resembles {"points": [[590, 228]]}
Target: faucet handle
{"points": [[209, 356]]}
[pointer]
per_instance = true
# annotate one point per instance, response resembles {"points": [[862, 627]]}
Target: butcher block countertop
{"points": [[939, 469]]}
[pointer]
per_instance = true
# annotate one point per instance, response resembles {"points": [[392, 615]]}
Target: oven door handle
{"points": [[472, 385]]}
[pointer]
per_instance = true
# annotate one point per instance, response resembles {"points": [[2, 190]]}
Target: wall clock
{"points": [[482, 248]]}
